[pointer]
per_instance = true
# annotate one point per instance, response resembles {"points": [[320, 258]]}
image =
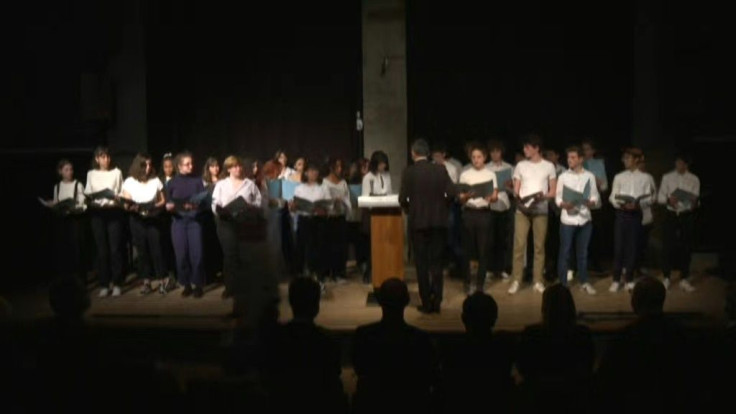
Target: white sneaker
{"points": [[514, 287], [570, 274], [104, 292], [539, 287], [630, 286], [505, 275], [588, 288], [686, 286], [666, 283], [116, 292], [489, 275], [615, 286]]}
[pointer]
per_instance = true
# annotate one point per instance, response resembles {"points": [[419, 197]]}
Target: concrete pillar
{"points": [[384, 82], [127, 71]]}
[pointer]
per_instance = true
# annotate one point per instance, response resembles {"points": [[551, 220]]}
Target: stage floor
{"points": [[344, 306]]}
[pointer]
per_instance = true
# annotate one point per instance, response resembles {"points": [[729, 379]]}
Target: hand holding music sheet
{"points": [[239, 210], [576, 198], [63, 207], [627, 199], [147, 209], [194, 201], [481, 190], [526, 204], [322, 206], [686, 198]]}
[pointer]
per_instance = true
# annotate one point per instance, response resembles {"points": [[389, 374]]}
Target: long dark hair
{"points": [[206, 176], [376, 158], [101, 150], [137, 168], [558, 308]]}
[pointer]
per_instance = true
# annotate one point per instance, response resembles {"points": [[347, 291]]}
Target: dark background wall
{"points": [[253, 80], [479, 70]]}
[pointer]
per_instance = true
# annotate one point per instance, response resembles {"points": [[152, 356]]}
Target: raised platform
{"points": [[344, 307]]}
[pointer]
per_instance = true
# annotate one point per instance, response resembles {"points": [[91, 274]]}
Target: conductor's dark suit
{"points": [[426, 191]]}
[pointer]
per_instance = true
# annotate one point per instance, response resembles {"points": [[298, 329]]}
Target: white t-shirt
{"points": [[632, 183], [224, 193], [98, 180], [311, 192], [535, 177], [339, 191], [64, 191], [472, 177], [142, 192], [674, 180]]}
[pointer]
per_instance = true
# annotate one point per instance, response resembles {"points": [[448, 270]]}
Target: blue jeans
{"points": [[581, 236]]}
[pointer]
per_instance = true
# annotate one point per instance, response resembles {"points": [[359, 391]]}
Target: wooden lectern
{"points": [[387, 237]]}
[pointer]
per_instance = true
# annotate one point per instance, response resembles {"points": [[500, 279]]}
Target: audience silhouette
{"points": [[395, 363]]}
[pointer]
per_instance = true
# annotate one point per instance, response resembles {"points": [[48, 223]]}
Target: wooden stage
{"points": [[344, 307]]}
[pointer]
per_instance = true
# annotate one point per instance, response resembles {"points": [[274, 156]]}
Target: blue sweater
{"points": [[182, 187]]}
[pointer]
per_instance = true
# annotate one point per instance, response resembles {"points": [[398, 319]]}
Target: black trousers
{"points": [[501, 241], [212, 250], [476, 241], [626, 243], [310, 242], [677, 236], [146, 235], [428, 245], [360, 242], [597, 239], [288, 242], [167, 247], [336, 249], [641, 259], [68, 247], [232, 252], [107, 228]]}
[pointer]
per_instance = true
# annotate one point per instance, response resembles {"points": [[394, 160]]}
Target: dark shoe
{"points": [[198, 292], [436, 307], [425, 309], [146, 289], [226, 294], [170, 285], [187, 291]]}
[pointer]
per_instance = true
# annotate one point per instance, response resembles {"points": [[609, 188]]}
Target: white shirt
{"points": [[535, 177], [631, 183], [646, 212], [339, 191], [98, 180], [577, 181], [376, 184], [472, 177], [674, 180], [458, 165], [311, 192], [225, 192], [452, 171], [64, 191], [142, 192], [285, 173], [503, 203]]}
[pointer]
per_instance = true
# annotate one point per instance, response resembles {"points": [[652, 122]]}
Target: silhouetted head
{"points": [[648, 297], [480, 312], [558, 308], [419, 149], [304, 294], [68, 299], [393, 296]]}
